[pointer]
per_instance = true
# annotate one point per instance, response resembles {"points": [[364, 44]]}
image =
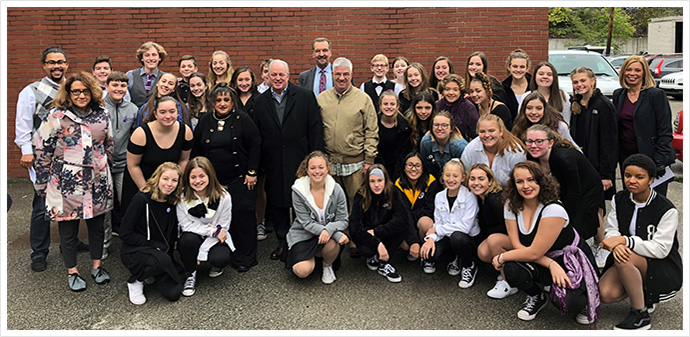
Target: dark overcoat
{"points": [[284, 145]]}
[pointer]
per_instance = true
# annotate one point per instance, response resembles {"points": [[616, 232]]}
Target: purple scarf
{"points": [[577, 267]]}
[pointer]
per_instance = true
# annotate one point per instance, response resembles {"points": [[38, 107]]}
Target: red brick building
{"points": [[249, 35]]}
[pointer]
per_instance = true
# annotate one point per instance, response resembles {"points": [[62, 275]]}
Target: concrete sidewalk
{"points": [[269, 297]]}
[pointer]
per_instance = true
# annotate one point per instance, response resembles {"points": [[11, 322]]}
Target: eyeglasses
{"points": [[413, 166], [441, 126], [539, 142], [77, 92], [60, 63]]}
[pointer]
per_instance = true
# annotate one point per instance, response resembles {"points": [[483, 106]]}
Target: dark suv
{"points": [[661, 65]]}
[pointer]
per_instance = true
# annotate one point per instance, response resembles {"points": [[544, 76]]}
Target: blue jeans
{"points": [[39, 235]]}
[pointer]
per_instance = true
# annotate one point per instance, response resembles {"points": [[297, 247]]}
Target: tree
{"points": [[590, 25], [641, 16]]}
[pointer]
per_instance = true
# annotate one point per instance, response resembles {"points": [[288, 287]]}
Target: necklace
{"points": [[221, 121]]}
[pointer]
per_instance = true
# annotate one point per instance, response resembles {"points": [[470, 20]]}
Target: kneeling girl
{"points": [[204, 215], [320, 218], [454, 235], [379, 221]]}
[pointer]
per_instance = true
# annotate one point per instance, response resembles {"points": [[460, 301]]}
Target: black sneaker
{"points": [[39, 264], [373, 263], [385, 269], [532, 306], [468, 276], [636, 320]]}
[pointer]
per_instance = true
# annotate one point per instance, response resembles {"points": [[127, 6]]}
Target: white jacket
{"points": [[207, 226], [462, 217]]}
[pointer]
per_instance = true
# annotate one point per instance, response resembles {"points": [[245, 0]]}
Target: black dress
{"points": [[151, 157], [234, 152]]}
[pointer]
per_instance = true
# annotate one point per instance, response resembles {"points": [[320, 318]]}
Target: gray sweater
{"points": [[307, 222], [123, 121]]}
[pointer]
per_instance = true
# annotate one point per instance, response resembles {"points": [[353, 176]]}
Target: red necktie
{"points": [[322, 81]]}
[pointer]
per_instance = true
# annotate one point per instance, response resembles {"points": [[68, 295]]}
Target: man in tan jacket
{"points": [[350, 128]]}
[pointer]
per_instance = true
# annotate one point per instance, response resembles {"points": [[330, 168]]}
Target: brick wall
{"points": [[249, 35]]}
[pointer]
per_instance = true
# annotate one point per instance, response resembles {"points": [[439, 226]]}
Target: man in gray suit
{"points": [[319, 78]]}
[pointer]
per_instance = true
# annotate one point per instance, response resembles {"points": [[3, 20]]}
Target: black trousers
{"points": [[243, 233], [457, 244], [280, 217], [188, 245], [531, 278], [166, 285], [69, 231], [391, 245]]}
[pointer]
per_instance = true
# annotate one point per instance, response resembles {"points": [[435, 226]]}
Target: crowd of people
{"points": [[450, 170]]}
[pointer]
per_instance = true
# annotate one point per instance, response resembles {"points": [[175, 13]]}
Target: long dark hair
{"points": [[414, 121], [196, 104], [433, 81], [556, 97], [368, 195], [551, 118], [423, 180], [236, 74], [548, 187], [485, 67]]}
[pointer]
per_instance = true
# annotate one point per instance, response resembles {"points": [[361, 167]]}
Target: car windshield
{"points": [[565, 63]]}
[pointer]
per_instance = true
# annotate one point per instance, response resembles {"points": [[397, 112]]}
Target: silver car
{"points": [[567, 60]]}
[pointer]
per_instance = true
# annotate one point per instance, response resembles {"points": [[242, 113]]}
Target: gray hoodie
{"points": [[123, 121], [307, 223]]}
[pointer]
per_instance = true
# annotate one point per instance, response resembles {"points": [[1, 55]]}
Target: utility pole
{"points": [[608, 38]]}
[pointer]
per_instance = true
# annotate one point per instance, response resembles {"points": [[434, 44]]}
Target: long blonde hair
{"points": [[152, 183], [212, 77], [509, 141]]}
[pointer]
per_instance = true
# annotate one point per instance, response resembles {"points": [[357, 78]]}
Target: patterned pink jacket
{"points": [[72, 164]]}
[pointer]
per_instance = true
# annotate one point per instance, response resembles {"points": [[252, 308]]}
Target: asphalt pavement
{"points": [[270, 300]]}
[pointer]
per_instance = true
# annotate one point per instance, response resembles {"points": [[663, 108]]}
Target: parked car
{"points": [[567, 60], [617, 61], [664, 65], [673, 84], [677, 141]]}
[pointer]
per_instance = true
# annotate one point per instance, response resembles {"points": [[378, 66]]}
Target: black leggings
{"points": [[531, 277], [457, 244], [188, 245], [169, 288], [391, 245], [69, 231]]}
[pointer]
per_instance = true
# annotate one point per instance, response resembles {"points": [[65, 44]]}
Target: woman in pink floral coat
{"points": [[74, 145]]}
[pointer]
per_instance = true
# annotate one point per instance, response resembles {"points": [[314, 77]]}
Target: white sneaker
{"points": [[501, 290], [582, 317], [215, 272], [601, 257], [136, 292], [453, 268], [328, 275], [190, 285]]}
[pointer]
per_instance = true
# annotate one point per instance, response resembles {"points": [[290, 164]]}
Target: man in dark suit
{"points": [[290, 124], [319, 78]]}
